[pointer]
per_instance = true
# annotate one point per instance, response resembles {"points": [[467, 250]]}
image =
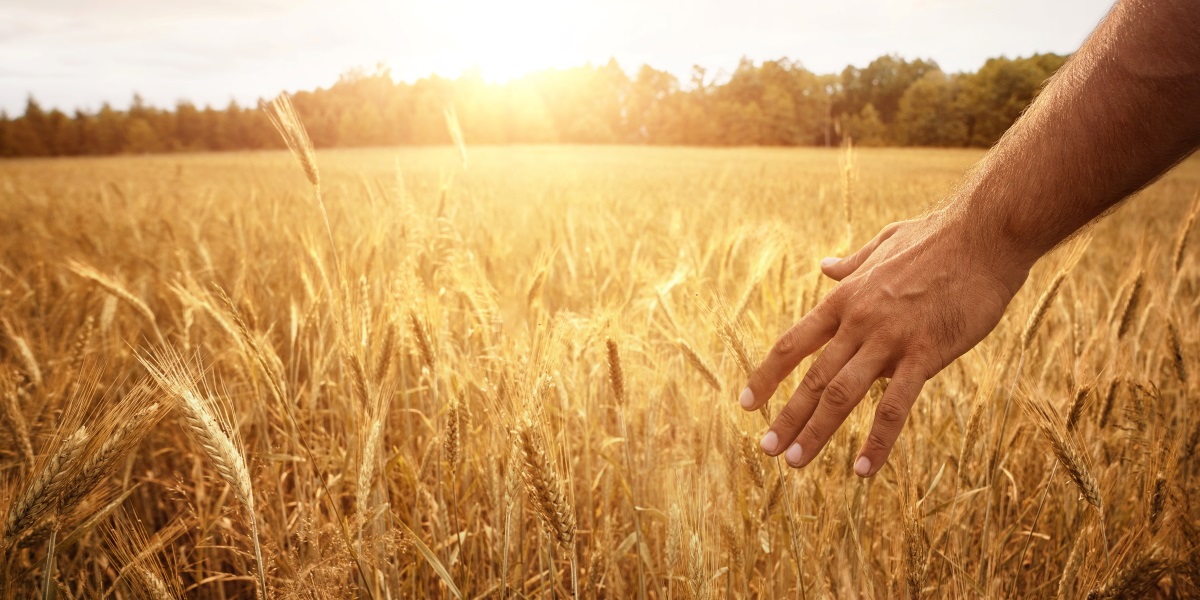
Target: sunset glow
{"points": [[504, 40], [75, 53]]}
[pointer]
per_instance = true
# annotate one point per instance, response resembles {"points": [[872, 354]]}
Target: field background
{"points": [[426, 404]]}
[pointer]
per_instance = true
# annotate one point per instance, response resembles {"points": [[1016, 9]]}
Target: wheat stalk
{"points": [[616, 375], [1065, 450], [424, 344], [1039, 312], [1181, 240], [706, 371], [1110, 398], [452, 442], [1176, 351], [114, 287], [1077, 406], [45, 490], [366, 469], [283, 116], [10, 413], [1158, 500], [1135, 578], [118, 442], [1131, 304], [21, 347], [749, 453], [544, 487], [674, 543], [205, 429]]}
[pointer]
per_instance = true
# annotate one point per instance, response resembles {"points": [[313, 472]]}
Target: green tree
{"points": [[866, 128], [881, 84], [140, 137], [29, 132], [992, 98], [6, 149], [928, 113], [110, 130]]}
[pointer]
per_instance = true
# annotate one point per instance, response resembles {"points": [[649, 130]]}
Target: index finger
{"points": [[804, 338]]}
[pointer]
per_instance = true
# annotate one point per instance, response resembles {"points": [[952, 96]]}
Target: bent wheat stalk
{"points": [[205, 428]]}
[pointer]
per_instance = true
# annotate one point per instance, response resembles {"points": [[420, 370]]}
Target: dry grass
{"points": [[519, 380]]}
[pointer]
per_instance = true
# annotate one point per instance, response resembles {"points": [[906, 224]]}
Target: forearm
{"points": [[1123, 110]]}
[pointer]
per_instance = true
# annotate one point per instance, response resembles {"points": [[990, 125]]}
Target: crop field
{"points": [[512, 373]]}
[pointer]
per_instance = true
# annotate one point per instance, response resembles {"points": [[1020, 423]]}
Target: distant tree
{"points": [[86, 133], [28, 134], [776, 102], [992, 98], [6, 149], [110, 130], [649, 116], [61, 135], [189, 128], [881, 84], [140, 137], [866, 128], [929, 115]]}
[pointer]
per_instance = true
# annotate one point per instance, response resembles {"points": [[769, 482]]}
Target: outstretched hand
{"points": [[916, 297]]}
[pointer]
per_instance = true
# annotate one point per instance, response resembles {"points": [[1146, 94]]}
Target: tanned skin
{"points": [[1122, 111]]}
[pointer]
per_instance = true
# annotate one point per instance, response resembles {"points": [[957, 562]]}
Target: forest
{"points": [[890, 102]]}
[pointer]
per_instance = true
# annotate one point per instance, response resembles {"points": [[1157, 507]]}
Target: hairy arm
{"points": [[1123, 110]]}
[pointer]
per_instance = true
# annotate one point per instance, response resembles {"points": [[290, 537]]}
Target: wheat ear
{"points": [[1039, 312], [44, 492], [113, 287], [616, 375], [1176, 351], [203, 426], [116, 444], [1065, 450], [544, 487], [10, 413], [702, 367], [1131, 304]]}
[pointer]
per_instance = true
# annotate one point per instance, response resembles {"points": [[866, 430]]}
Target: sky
{"points": [[80, 53]]}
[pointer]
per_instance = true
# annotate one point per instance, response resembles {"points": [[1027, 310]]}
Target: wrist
{"points": [[986, 244]]}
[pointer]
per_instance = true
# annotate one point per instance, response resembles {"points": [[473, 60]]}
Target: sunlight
{"points": [[504, 40]]}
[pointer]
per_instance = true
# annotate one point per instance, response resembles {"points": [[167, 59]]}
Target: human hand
{"points": [[912, 300]]}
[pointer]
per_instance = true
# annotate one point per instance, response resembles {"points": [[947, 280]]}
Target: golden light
{"points": [[503, 39]]}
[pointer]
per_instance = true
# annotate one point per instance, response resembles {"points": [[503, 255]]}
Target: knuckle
{"points": [[891, 412], [788, 419], [787, 344], [876, 440], [813, 383], [838, 394], [837, 297], [856, 317]]}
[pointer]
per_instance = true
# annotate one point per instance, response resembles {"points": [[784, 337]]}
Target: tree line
{"points": [[891, 101]]}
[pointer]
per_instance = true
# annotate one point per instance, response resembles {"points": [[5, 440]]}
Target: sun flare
{"points": [[503, 40]]}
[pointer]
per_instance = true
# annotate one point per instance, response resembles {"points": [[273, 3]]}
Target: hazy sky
{"points": [[79, 53]]}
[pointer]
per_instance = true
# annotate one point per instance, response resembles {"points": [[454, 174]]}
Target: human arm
{"points": [[1123, 110]]}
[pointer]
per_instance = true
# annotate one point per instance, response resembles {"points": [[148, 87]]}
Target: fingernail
{"points": [[794, 454], [862, 466], [769, 442], [829, 261], [746, 399]]}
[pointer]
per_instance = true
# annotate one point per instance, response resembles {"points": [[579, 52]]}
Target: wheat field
{"points": [[512, 373]]}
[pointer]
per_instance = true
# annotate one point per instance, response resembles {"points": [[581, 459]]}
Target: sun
{"points": [[504, 39]]}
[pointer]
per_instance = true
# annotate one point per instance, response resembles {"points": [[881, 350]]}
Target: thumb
{"points": [[840, 268]]}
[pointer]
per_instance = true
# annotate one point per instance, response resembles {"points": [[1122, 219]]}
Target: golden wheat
{"points": [[445, 384]]}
